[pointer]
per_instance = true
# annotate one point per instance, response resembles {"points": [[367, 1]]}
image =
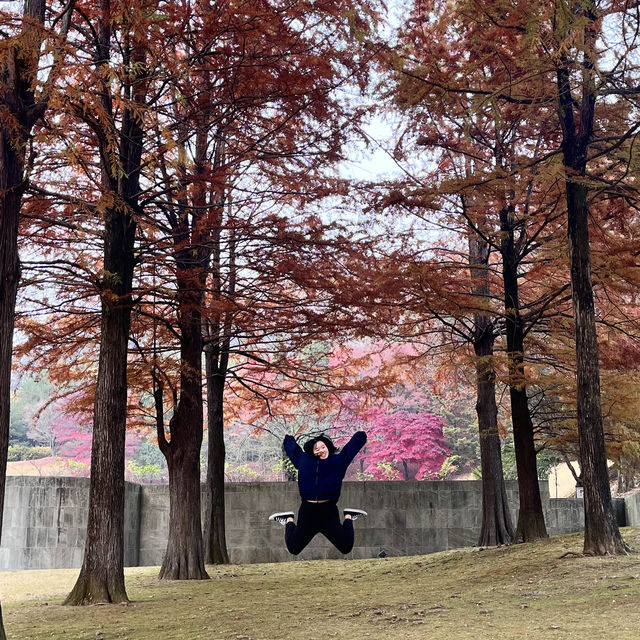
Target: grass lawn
{"points": [[522, 591]]}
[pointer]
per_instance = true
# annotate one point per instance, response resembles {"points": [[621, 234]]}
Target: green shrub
{"points": [[284, 467], [144, 473], [240, 473], [39, 452], [19, 452], [449, 466]]}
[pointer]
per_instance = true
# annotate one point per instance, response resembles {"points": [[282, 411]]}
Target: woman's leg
{"points": [[339, 534], [298, 536]]}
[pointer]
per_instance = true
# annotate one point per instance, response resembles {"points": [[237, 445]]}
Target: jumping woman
{"points": [[321, 468]]}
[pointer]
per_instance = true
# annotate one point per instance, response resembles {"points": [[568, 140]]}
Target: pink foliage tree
{"points": [[71, 434], [73, 439], [401, 444]]}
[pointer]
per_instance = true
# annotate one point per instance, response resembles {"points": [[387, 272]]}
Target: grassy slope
{"points": [[523, 591]]}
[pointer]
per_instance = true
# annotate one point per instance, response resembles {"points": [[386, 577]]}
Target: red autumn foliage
{"points": [[401, 445]]}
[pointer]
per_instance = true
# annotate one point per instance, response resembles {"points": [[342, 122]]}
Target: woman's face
{"points": [[320, 450]]}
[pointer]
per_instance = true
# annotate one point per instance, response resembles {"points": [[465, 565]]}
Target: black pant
{"points": [[321, 517]]}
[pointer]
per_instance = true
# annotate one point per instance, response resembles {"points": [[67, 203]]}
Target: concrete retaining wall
{"points": [[45, 520], [405, 518], [632, 509]]}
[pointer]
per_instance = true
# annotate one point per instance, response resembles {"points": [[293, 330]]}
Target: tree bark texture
{"points": [[219, 328], [101, 577], [184, 557], [496, 527], [11, 177], [530, 525], [601, 534], [11, 187], [215, 541], [20, 112]]}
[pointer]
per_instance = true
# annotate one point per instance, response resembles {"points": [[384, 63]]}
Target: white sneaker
{"points": [[355, 513], [281, 517]]}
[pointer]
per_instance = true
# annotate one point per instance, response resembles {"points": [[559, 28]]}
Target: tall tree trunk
{"points": [[215, 542], [184, 558], [191, 227], [217, 360], [101, 577], [531, 525], [496, 527], [20, 112], [601, 533], [11, 178]]}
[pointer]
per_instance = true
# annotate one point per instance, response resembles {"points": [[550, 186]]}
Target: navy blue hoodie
{"points": [[322, 479]]}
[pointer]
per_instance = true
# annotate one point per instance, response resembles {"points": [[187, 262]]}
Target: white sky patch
{"points": [[372, 161]]}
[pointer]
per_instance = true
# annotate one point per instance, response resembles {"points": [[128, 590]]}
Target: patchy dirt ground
{"points": [[542, 590]]}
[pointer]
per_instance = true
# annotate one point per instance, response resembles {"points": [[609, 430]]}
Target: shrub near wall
{"points": [[18, 452]]}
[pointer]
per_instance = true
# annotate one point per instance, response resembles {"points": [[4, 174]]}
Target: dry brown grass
{"points": [[50, 466], [523, 591]]}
